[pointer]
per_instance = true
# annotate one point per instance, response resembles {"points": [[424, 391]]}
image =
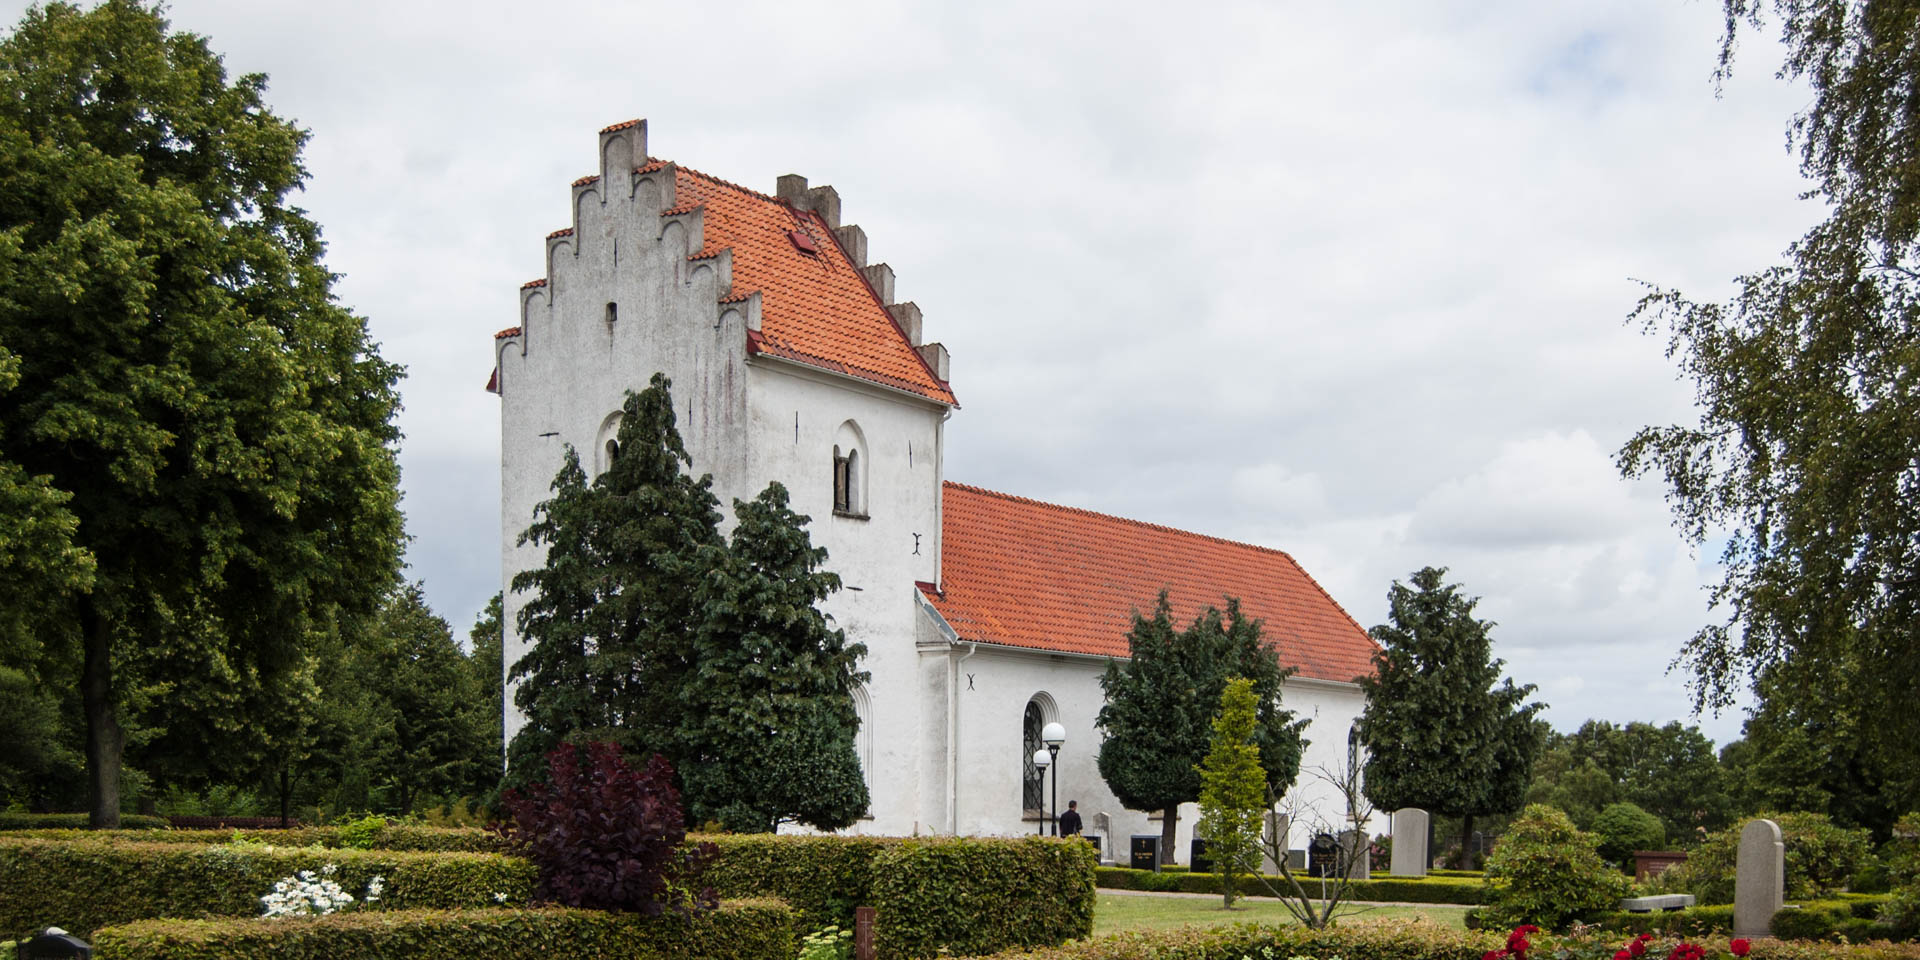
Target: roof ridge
{"points": [[1139, 523], [655, 163]]}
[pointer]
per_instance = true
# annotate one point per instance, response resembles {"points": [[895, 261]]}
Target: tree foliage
{"points": [[1669, 771], [1440, 736], [650, 631], [1233, 789], [767, 724], [1158, 714], [217, 427], [1807, 450], [1623, 828], [610, 617], [1545, 871]]}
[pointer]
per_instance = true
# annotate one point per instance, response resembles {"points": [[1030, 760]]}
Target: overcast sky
{"points": [[1349, 280]]}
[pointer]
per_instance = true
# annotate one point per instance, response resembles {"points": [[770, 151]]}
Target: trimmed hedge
{"points": [[967, 895], [85, 886], [1401, 890], [972, 896], [73, 821], [391, 837], [1855, 918], [751, 930]]}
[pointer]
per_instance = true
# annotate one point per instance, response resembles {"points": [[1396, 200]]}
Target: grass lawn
{"points": [[1116, 912]]}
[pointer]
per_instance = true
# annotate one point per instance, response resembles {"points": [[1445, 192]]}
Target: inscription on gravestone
{"points": [[1759, 879]]}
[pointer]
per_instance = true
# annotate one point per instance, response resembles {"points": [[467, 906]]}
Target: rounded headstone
{"points": [[1759, 879]]}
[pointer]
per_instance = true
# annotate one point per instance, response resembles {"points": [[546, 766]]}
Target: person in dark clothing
{"points": [[1070, 821]]}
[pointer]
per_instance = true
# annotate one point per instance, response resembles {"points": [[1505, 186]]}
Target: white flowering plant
{"points": [[310, 894]]}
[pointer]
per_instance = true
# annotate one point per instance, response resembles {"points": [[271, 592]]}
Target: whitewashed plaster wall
{"points": [[994, 685]]}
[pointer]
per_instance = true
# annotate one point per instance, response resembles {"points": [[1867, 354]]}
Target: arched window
{"points": [[850, 471], [606, 444], [1033, 794], [863, 737]]}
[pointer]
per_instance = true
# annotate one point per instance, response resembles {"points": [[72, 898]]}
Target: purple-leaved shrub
{"points": [[608, 837]]}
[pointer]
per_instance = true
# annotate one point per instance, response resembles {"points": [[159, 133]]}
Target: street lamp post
{"points": [[1053, 736], [1042, 760]]}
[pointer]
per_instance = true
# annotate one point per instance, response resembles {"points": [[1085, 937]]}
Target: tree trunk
{"points": [[1465, 861], [1169, 825], [104, 736]]}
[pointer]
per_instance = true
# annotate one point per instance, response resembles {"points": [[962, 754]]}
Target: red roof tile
{"points": [[815, 308], [508, 332], [1029, 574], [622, 125], [530, 284]]}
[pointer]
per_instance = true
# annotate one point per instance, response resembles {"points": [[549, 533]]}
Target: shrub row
{"points": [[749, 930], [1399, 889], [1855, 918], [1390, 940], [71, 821], [965, 895], [84, 886], [390, 837]]}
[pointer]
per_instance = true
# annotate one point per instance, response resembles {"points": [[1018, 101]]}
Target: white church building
{"points": [[985, 615]]}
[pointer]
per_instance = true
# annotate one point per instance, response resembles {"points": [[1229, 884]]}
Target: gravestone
{"points": [[1357, 850], [1759, 879], [1144, 854], [863, 918], [1197, 859], [1410, 857], [1322, 855], [1102, 828]]}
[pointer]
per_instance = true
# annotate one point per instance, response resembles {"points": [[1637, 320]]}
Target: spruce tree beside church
{"points": [[611, 615], [1439, 735], [769, 725], [651, 631]]}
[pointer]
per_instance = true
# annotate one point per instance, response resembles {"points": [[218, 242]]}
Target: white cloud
{"points": [[1348, 279]]}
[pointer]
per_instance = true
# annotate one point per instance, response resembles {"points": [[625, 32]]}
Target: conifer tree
{"points": [[1233, 790], [1439, 735], [768, 720], [1158, 714], [611, 615]]}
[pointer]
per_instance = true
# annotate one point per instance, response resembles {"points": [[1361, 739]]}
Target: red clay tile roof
{"points": [[508, 332], [1029, 574], [622, 125], [530, 284], [816, 309]]}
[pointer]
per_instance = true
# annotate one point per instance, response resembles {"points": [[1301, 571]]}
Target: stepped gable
{"points": [[816, 306], [1024, 573]]}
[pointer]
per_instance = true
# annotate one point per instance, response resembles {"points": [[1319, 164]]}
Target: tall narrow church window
{"points": [[850, 471], [842, 482], [613, 312], [1033, 795], [613, 452]]}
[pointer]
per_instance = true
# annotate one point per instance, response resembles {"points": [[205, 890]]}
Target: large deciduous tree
{"points": [[216, 426], [1669, 771], [1158, 714], [767, 724], [1440, 735], [1806, 454]]}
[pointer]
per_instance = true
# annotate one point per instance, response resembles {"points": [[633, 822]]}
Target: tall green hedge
{"points": [[823, 878], [390, 837], [751, 930], [1399, 890], [975, 896], [85, 886]]}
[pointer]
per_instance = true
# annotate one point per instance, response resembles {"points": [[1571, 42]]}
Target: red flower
{"points": [[1639, 946], [1643, 938], [1528, 928], [1494, 955], [1687, 951], [1622, 955], [1740, 947], [1517, 943]]}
